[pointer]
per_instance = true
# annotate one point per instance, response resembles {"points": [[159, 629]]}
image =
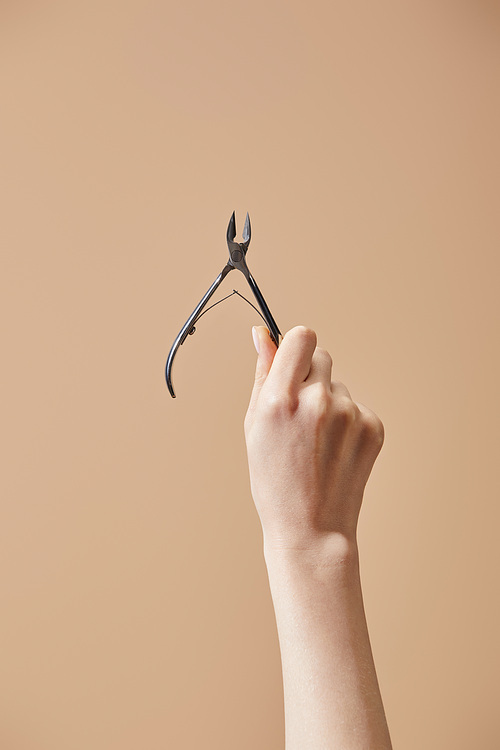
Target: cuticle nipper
{"points": [[237, 260]]}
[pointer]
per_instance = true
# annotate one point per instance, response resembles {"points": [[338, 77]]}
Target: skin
{"points": [[311, 449]]}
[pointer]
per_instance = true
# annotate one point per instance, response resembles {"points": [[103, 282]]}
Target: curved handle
{"points": [[188, 327]]}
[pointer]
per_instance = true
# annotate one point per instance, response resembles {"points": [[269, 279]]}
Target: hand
{"points": [[310, 447]]}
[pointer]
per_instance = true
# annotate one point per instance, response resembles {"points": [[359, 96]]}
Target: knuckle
{"points": [[372, 426], [346, 412], [280, 403], [339, 389], [321, 399], [304, 334]]}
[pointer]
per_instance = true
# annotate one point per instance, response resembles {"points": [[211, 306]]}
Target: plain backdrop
{"points": [[363, 139]]}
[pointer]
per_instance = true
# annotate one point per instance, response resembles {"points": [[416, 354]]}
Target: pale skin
{"points": [[311, 449]]}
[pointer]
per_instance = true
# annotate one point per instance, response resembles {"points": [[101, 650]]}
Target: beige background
{"points": [[363, 139]]}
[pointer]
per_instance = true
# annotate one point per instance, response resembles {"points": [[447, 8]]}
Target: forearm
{"points": [[332, 697]]}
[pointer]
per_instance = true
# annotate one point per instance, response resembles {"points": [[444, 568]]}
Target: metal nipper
{"points": [[237, 259]]}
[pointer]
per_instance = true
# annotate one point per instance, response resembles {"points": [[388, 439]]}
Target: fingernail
{"points": [[255, 337]]}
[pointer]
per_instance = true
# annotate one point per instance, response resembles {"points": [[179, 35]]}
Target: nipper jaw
{"points": [[238, 250], [237, 260]]}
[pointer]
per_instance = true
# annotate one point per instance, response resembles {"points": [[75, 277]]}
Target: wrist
{"points": [[327, 555]]}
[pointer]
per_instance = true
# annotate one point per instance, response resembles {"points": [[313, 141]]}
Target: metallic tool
{"points": [[237, 259]]}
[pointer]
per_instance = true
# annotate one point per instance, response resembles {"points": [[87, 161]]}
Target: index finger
{"points": [[292, 361]]}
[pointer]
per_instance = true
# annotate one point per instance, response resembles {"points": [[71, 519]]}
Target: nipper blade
{"points": [[247, 230], [231, 228]]}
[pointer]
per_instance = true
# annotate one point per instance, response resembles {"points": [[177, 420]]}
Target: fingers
{"points": [[340, 390], [372, 427], [321, 368], [266, 349], [297, 361], [293, 360]]}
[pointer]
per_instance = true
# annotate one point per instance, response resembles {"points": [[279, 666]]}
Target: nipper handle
{"points": [[187, 328]]}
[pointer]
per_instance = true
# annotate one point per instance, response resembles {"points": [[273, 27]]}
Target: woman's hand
{"points": [[310, 447]]}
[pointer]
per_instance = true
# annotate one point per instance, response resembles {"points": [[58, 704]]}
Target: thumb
{"points": [[266, 349]]}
